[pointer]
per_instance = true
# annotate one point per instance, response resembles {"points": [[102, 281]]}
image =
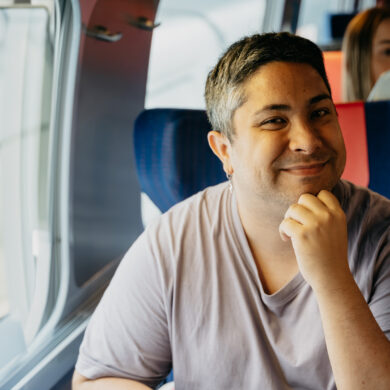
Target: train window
{"points": [[4, 305], [179, 62], [313, 22], [26, 68]]}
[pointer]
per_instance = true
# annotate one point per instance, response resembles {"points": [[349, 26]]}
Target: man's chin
{"points": [[309, 188]]}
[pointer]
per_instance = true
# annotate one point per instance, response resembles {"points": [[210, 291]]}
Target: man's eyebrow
{"points": [[275, 107], [384, 41], [286, 107], [318, 98]]}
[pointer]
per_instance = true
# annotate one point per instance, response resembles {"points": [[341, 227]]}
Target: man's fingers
{"points": [[299, 213], [325, 200], [284, 236], [311, 202], [329, 200], [311, 212], [287, 228]]}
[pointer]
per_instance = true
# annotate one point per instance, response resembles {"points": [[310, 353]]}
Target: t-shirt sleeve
{"points": [[380, 298], [128, 335]]}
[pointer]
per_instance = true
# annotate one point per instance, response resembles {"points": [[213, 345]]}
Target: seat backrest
{"points": [[378, 143], [173, 158], [333, 67], [366, 131], [353, 126]]}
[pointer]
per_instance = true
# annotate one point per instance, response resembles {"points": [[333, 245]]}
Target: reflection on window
{"points": [[179, 63], [4, 306], [313, 20], [26, 63]]}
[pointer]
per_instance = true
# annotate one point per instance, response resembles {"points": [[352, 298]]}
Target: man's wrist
{"points": [[334, 282]]}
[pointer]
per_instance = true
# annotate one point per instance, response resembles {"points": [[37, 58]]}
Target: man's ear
{"points": [[221, 147]]}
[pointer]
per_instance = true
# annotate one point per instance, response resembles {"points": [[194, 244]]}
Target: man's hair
{"points": [[225, 83], [357, 53]]}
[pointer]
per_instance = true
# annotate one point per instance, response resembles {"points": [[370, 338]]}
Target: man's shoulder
{"points": [[358, 196], [186, 228], [206, 203], [364, 205]]}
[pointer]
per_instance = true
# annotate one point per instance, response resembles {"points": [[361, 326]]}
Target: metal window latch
{"points": [[141, 22], [102, 33]]}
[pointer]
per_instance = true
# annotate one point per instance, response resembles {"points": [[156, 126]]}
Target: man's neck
{"points": [[274, 258], [262, 231]]}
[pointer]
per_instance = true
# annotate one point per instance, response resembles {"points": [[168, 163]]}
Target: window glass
{"points": [[4, 306], [26, 64], [187, 44], [314, 22]]}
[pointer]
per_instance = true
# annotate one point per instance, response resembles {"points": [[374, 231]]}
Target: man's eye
{"points": [[273, 121], [319, 113], [387, 52]]}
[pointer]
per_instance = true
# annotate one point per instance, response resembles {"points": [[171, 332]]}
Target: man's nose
{"points": [[304, 138]]}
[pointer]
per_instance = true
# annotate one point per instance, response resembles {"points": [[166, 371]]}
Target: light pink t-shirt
{"points": [[188, 294]]}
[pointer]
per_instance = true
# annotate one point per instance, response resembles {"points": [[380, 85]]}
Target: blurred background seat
{"points": [[378, 144], [173, 158], [352, 121], [333, 65], [366, 131]]}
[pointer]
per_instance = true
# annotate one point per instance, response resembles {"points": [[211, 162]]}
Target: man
{"points": [[280, 280]]}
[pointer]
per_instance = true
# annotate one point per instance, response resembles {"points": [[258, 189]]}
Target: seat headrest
{"points": [[378, 139], [173, 158]]}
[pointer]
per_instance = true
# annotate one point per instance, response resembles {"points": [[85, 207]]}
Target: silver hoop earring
{"points": [[229, 177]]}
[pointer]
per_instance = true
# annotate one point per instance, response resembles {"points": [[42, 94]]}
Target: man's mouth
{"points": [[306, 169]]}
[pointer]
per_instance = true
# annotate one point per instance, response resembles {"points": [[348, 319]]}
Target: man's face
{"points": [[287, 140]]}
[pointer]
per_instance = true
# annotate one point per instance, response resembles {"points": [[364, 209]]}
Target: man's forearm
{"points": [[358, 350], [79, 382]]}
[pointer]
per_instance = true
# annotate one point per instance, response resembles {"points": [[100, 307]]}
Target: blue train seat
{"points": [[173, 158], [378, 144], [366, 130]]}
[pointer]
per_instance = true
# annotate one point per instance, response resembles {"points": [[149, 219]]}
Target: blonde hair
{"points": [[357, 52]]}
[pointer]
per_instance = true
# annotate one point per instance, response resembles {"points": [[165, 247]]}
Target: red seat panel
{"points": [[353, 126], [333, 64]]}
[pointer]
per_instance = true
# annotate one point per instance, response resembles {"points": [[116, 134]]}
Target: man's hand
{"points": [[317, 228], [359, 351]]}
